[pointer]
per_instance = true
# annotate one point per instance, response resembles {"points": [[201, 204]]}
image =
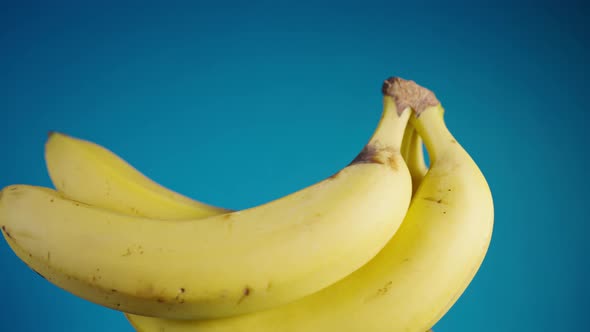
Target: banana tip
{"points": [[407, 93]]}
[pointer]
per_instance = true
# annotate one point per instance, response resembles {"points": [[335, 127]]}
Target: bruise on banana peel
{"points": [[372, 154], [245, 294]]}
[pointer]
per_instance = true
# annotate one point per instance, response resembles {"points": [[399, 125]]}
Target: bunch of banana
{"points": [[334, 256]]}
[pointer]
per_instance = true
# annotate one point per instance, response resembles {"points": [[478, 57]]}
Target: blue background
{"points": [[238, 104]]}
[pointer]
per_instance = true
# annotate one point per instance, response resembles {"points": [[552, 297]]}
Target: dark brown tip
{"points": [[407, 93]]}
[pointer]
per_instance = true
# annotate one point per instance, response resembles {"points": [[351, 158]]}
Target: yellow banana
{"points": [[89, 173], [419, 274], [413, 154], [226, 264]]}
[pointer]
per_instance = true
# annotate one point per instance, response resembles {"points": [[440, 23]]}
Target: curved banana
{"points": [[419, 274], [222, 265], [89, 173]]}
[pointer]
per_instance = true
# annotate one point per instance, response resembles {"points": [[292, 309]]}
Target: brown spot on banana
{"points": [[178, 297], [380, 292], [383, 290], [128, 253], [372, 154], [436, 200], [245, 293]]}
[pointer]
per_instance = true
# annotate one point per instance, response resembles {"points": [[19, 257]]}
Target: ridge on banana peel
{"points": [[222, 265], [91, 174], [416, 277]]}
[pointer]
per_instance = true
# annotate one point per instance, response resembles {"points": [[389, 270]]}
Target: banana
{"points": [[417, 276], [223, 265], [89, 173], [413, 154]]}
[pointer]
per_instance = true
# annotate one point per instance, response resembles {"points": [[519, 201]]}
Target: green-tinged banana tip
{"points": [[407, 93]]}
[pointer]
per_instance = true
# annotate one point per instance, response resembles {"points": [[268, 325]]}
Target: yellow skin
{"points": [[415, 279], [89, 173], [222, 265]]}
